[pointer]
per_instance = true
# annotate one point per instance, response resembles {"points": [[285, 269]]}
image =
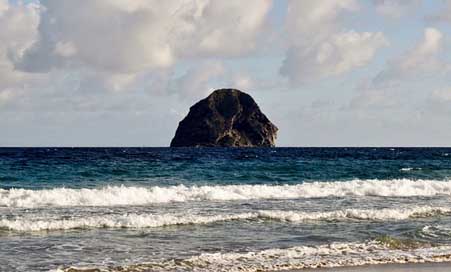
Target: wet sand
{"points": [[423, 267]]}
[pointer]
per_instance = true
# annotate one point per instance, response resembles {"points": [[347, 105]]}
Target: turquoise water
{"points": [[207, 209]]}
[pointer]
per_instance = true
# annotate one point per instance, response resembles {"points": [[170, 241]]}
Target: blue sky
{"points": [[125, 72]]}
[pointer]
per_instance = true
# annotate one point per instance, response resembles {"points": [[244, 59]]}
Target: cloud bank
{"points": [[320, 47], [315, 66]]}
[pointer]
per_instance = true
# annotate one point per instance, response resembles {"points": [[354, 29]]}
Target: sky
{"points": [[325, 72]]}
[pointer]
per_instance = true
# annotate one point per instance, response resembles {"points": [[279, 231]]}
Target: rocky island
{"points": [[226, 118]]}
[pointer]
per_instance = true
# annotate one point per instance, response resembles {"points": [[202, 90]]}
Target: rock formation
{"points": [[227, 118]]}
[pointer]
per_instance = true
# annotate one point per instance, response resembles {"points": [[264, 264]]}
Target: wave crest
{"points": [[122, 195], [152, 220]]}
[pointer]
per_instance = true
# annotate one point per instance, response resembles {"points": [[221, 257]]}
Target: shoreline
{"points": [[407, 267]]}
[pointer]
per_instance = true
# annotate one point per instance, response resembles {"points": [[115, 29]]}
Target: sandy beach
{"points": [[426, 267]]}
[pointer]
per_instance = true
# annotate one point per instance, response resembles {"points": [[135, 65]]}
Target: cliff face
{"points": [[228, 118]]}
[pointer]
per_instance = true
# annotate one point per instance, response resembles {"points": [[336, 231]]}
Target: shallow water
{"points": [[222, 209]]}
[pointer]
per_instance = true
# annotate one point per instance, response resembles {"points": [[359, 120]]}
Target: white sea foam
{"points": [[115, 221], [360, 214], [333, 255], [27, 224], [435, 231], [407, 169], [122, 195]]}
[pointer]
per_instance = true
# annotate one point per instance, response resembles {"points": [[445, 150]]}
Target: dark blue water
{"points": [[221, 209], [36, 168]]}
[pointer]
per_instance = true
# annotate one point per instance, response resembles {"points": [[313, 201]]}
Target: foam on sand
{"points": [[301, 257]]}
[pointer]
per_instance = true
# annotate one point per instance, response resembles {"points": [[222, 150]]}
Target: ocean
{"points": [[222, 209]]}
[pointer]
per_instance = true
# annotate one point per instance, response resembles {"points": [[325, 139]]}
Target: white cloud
{"points": [[137, 35], [103, 35], [319, 45], [18, 30], [395, 8], [436, 104], [198, 81], [374, 98], [65, 49], [425, 51], [5, 96], [113, 44], [390, 87], [310, 21], [422, 59], [242, 82], [339, 54], [224, 28], [442, 95], [4, 6], [98, 81]]}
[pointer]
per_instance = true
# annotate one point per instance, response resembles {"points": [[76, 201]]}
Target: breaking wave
{"points": [[407, 169], [122, 195], [153, 220]]}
